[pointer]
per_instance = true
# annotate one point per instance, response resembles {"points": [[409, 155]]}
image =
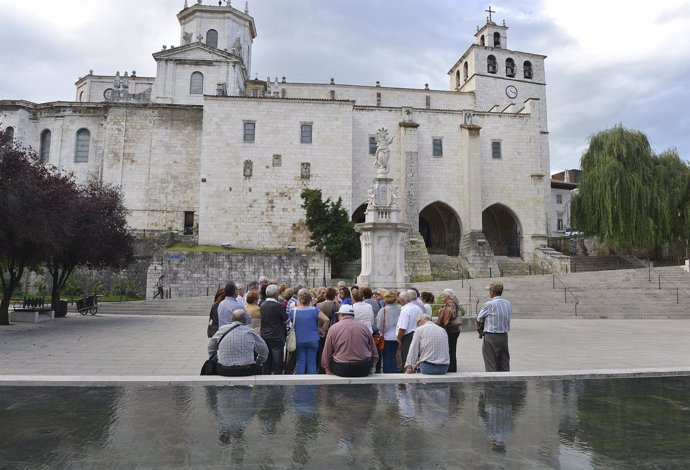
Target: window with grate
{"points": [[44, 150], [437, 147], [249, 131], [196, 84], [81, 154], [495, 149], [305, 135], [212, 38]]}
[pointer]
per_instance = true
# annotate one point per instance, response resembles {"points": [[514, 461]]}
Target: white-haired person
{"points": [[429, 349], [450, 319]]}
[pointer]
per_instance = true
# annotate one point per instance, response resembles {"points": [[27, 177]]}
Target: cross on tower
{"points": [[489, 11]]}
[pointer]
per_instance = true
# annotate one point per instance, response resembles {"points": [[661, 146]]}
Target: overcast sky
{"points": [[609, 61]]}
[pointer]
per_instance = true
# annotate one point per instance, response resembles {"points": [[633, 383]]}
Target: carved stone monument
{"points": [[382, 234]]}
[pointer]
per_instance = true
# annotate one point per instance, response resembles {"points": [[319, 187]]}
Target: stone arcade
{"points": [[202, 146]]}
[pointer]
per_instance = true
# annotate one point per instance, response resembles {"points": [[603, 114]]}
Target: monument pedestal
{"points": [[383, 255]]}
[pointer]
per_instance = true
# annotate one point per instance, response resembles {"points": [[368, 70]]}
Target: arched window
{"points": [[196, 84], [81, 96], [465, 71], [44, 149], [527, 69], [457, 78], [212, 38], [497, 39], [482, 41], [81, 153], [510, 68], [10, 132], [491, 64]]}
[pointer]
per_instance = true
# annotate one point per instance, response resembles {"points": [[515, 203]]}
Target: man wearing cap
{"points": [[349, 350], [496, 315]]}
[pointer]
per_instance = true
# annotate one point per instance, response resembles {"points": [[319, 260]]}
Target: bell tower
{"points": [[497, 75]]}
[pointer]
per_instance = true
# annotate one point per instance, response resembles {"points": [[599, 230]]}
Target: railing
{"points": [[547, 265], [659, 276]]}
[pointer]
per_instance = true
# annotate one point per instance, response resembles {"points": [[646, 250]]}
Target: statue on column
{"points": [[383, 153]]}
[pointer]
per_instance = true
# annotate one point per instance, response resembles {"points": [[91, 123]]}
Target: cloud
{"points": [[607, 62]]}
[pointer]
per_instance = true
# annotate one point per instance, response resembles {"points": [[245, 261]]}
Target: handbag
{"points": [[291, 339], [380, 341], [210, 365], [378, 337]]}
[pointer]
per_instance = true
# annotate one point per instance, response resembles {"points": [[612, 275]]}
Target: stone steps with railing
{"points": [[626, 293]]}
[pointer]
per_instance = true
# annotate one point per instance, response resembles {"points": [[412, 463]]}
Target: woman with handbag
{"points": [[329, 306], [305, 320], [387, 321], [450, 319]]}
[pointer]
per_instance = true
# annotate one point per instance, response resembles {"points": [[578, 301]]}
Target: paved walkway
{"points": [[129, 345]]}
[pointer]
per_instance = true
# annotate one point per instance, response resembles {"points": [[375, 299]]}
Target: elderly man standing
{"points": [[229, 305], [241, 351], [496, 315], [407, 322], [429, 348], [349, 350], [273, 319]]}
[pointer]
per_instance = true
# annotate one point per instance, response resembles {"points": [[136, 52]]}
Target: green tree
{"points": [[330, 227], [628, 197]]}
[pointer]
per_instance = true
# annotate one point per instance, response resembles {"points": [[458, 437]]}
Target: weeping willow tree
{"points": [[629, 197]]}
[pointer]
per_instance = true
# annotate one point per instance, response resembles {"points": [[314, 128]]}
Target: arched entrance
{"points": [[440, 228], [358, 216], [502, 230]]}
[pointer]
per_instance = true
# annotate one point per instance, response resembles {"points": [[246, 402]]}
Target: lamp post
{"points": [[324, 239]]}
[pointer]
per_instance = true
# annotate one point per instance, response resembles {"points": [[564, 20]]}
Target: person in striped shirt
{"points": [[496, 315]]}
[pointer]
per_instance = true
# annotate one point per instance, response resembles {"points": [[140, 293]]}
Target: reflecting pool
{"points": [[569, 424]]}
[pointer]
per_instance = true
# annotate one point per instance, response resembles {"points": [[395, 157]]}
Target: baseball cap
{"points": [[346, 310]]}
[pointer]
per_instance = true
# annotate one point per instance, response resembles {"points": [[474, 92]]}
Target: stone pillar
{"points": [[410, 155], [475, 253], [469, 136]]}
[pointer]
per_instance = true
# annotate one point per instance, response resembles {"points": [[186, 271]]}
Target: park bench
{"points": [[88, 305], [32, 310]]}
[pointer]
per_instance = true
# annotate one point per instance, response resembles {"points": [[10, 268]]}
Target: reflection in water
{"points": [[306, 421], [233, 408], [426, 404], [625, 423], [40, 426], [498, 405]]}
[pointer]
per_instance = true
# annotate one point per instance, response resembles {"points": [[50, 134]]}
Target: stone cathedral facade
{"points": [[204, 147]]}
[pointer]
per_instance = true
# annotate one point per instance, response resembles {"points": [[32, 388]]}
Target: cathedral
{"points": [[204, 148]]}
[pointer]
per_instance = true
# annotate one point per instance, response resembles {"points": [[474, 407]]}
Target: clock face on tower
{"points": [[511, 91]]}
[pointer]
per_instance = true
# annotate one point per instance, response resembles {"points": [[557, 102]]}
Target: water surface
{"points": [[582, 424]]}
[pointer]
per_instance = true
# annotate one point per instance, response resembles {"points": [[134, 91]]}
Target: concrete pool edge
{"points": [[258, 380]]}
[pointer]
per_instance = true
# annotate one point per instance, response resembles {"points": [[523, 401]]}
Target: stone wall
{"points": [[198, 274]]}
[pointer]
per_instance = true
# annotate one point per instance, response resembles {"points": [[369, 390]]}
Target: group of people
{"points": [[336, 330]]}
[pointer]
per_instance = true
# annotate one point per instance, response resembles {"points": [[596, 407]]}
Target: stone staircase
{"points": [[191, 306], [615, 294], [511, 266], [599, 263], [445, 267]]}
